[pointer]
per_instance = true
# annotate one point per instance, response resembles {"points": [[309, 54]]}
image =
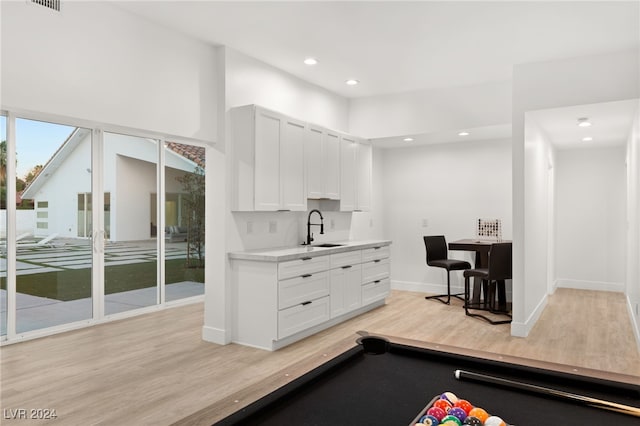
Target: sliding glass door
{"points": [[130, 251], [100, 223], [184, 220], [3, 225], [53, 267]]}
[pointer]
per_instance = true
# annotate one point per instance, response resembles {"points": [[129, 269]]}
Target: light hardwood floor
{"points": [[155, 369]]}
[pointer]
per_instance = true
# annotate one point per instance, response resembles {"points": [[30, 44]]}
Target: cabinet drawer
{"points": [[374, 253], [376, 290], [302, 316], [302, 289], [339, 260], [375, 270], [305, 265]]}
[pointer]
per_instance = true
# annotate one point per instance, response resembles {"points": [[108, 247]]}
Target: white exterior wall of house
{"points": [[130, 179], [61, 188]]}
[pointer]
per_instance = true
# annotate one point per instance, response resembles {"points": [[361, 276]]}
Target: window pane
{"points": [[184, 220], [130, 179], [53, 279]]}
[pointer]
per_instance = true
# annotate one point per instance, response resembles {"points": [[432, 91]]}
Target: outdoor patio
{"points": [[58, 255]]}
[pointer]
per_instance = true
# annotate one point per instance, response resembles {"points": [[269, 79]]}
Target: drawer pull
{"points": [[346, 267], [306, 303], [306, 275], [377, 260], [376, 248], [376, 281], [306, 258]]}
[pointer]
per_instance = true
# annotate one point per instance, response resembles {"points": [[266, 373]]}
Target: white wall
{"points": [[633, 224], [450, 186], [430, 111], [97, 62], [538, 190], [572, 81], [591, 218]]}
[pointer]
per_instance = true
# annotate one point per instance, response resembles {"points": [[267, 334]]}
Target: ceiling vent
{"points": [[51, 4]]}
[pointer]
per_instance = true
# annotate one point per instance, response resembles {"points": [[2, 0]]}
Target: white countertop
{"points": [[279, 254]]}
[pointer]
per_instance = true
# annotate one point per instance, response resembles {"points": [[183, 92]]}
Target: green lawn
{"points": [[76, 283]]}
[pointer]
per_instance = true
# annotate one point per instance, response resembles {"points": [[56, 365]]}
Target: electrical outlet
{"points": [[371, 223], [332, 224], [425, 223], [249, 227], [273, 226]]}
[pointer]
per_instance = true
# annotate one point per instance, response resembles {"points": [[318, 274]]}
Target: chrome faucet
{"points": [[321, 225]]}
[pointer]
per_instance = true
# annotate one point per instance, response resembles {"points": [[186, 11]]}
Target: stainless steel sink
{"points": [[328, 245]]}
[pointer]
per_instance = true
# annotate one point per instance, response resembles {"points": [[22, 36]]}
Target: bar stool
{"points": [[500, 269], [437, 256]]}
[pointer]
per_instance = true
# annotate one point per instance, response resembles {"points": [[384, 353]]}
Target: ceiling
{"points": [[611, 124], [398, 46]]}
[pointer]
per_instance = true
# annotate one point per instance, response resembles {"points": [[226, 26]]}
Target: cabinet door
{"points": [[348, 147], [346, 289], [364, 160], [332, 166], [292, 179], [268, 130], [315, 155]]}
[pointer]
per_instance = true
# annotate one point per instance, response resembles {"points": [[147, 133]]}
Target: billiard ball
{"points": [[449, 396], [444, 404], [494, 421], [437, 412], [472, 421], [464, 404], [429, 420], [479, 413], [458, 412], [453, 420]]}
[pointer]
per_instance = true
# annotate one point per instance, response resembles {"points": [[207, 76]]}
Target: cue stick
{"points": [[593, 402]]}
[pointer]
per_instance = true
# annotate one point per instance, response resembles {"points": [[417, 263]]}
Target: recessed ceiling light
{"points": [[587, 139], [463, 134], [310, 61], [583, 122], [352, 82], [408, 139]]}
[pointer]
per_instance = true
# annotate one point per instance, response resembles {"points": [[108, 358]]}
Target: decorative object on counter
{"points": [[489, 229]]}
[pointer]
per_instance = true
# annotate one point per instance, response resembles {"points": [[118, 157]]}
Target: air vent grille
{"points": [[51, 4]]}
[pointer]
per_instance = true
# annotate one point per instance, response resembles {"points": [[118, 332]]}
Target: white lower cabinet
{"points": [[345, 289], [278, 303]]}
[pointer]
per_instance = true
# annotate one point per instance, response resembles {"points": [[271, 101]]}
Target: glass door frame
{"points": [[98, 237]]}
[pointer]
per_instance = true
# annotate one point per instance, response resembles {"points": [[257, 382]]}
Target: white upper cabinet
{"points": [[348, 148], [355, 174], [364, 160], [278, 162], [323, 163], [268, 170]]}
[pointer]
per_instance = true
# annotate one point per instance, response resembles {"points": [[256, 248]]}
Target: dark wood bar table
{"points": [[481, 248]]}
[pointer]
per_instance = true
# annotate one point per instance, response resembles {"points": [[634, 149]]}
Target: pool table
{"points": [[387, 381]]}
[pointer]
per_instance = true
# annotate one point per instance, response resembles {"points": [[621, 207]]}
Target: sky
{"points": [[36, 142]]}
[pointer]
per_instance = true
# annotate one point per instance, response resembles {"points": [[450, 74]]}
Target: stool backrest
{"points": [[436, 246], [500, 261]]}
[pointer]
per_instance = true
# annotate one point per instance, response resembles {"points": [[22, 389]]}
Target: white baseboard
{"points": [[215, 335], [432, 288], [633, 315], [519, 329], [589, 285], [424, 287]]}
